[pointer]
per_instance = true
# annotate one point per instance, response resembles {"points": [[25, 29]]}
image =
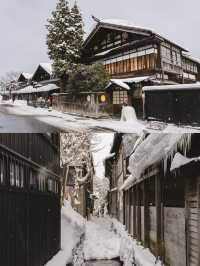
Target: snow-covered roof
{"points": [[125, 23], [120, 83], [154, 149], [189, 56], [193, 86], [5, 93], [129, 26], [25, 90], [48, 67], [181, 160], [31, 89], [49, 87], [26, 75], [123, 83]]}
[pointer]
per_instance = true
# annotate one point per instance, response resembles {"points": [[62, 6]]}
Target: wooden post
{"points": [[158, 215], [146, 215], [134, 212]]}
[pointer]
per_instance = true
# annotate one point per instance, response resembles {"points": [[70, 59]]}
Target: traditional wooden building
{"points": [[161, 196], [42, 83], [24, 79], [135, 56], [30, 189], [116, 171]]}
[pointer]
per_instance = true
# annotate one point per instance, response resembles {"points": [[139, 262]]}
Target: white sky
{"points": [[23, 31]]}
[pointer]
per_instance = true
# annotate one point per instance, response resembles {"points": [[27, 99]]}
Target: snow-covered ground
{"points": [[66, 121], [103, 238], [71, 122]]}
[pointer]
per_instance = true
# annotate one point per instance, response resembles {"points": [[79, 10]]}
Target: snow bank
{"points": [[128, 114], [72, 228], [130, 251]]}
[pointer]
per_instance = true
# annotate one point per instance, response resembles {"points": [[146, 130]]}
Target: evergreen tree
{"points": [[77, 24], [65, 37], [88, 78]]}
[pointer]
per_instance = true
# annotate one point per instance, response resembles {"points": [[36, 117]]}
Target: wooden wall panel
{"points": [[174, 235]]}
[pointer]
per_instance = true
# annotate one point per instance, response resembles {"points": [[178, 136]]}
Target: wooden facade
{"points": [[176, 103], [128, 51], [162, 209], [29, 200], [41, 84]]}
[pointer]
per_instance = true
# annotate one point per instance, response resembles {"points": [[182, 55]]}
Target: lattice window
{"points": [[120, 97]]}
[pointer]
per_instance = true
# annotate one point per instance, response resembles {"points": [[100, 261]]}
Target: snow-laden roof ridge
{"points": [[193, 58], [47, 66], [172, 87], [131, 25], [126, 23], [27, 75]]}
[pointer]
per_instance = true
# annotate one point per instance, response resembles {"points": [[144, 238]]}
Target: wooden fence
{"points": [[29, 211], [63, 104]]}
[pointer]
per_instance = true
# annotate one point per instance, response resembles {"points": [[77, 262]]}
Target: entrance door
{"points": [[193, 257]]}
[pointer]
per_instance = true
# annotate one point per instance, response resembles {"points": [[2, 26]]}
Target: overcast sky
{"points": [[23, 32]]}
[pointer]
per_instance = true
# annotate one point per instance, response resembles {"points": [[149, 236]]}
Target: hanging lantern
{"points": [[103, 98]]}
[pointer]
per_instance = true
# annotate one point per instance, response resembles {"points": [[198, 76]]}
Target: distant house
{"points": [[43, 73], [24, 79], [135, 56], [42, 83], [30, 197], [161, 195]]}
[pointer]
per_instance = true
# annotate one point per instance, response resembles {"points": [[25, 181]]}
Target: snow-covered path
{"points": [[100, 241], [70, 122]]}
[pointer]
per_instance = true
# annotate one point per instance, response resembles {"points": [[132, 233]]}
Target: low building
{"points": [[24, 79], [30, 189], [161, 196], [173, 103], [41, 84]]}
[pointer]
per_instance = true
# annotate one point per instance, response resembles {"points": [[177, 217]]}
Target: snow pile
{"points": [[128, 114], [106, 238], [180, 160], [155, 148], [72, 228], [130, 251], [101, 242]]}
